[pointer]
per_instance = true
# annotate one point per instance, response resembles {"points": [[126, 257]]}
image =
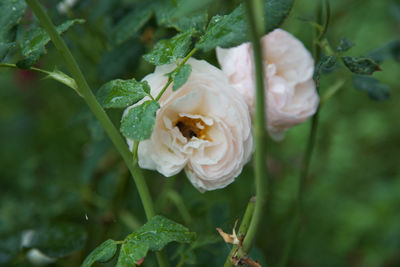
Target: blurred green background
{"points": [[56, 164]]}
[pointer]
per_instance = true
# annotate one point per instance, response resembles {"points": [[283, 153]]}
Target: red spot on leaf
{"points": [[140, 261]]}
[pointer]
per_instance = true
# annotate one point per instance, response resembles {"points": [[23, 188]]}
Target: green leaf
{"points": [[58, 240], [326, 63], [122, 93], [232, 30], [102, 253], [31, 59], [375, 90], [225, 31], [180, 76], [172, 13], [11, 12], [360, 65], [167, 51], [154, 236], [36, 40], [131, 253], [131, 23], [139, 122], [344, 45], [160, 231], [276, 11]]}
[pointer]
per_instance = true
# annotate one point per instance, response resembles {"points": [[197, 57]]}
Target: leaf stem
{"points": [[13, 66], [98, 111], [178, 65], [254, 10]]}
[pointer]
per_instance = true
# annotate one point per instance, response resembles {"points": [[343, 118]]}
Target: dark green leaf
{"points": [[58, 240], [276, 11], [154, 236], [375, 90], [167, 51], [360, 65], [326, 63], [102, 253], [231, 30], [131, 23], [131, 253], [160, 231], [35, 41], [171, 13], [139, 122], [225, 31], [11, 12], [31, 59], [122, 93], [344, 45], [180, 76]]}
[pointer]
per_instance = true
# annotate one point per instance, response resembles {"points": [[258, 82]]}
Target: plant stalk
{"points": [[98, 111], [254, 10], [304, 171], [248, 214]]}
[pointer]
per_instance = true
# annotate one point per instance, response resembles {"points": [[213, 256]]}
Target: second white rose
{"points": [[204, 127], [289, 67]]}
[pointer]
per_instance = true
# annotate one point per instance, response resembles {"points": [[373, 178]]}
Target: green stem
{"points": [[98, 111], [254, 10], [298, 205], [178, 65], [13, 66], [244, 225]]}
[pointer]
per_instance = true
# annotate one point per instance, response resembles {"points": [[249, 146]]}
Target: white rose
{"points": [[203, 127], [289, 67]]}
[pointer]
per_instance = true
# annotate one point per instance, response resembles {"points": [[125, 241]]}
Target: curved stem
{"points": [[255, 17], [98, 111]]}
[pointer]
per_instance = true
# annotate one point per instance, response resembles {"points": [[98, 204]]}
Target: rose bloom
{"points": [[291, 96], [204, 127]]}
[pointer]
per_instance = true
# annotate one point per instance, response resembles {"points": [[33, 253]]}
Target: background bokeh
{"points": [[56, 164]]}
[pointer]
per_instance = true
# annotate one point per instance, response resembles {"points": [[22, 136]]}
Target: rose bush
{"points": [[290, 90], [204, 128]]}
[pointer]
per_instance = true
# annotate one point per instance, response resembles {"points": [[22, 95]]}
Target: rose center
{"points": [[190, 128]]}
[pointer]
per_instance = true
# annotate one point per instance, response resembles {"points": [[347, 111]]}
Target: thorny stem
{"points": [[98, 111], [170, 79], [304, 171], [242, 229]]}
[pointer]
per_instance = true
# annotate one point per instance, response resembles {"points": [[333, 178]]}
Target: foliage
{"points": [[138, 123], [153, 236], [63, 181], [168, 51], [122, 93]]}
